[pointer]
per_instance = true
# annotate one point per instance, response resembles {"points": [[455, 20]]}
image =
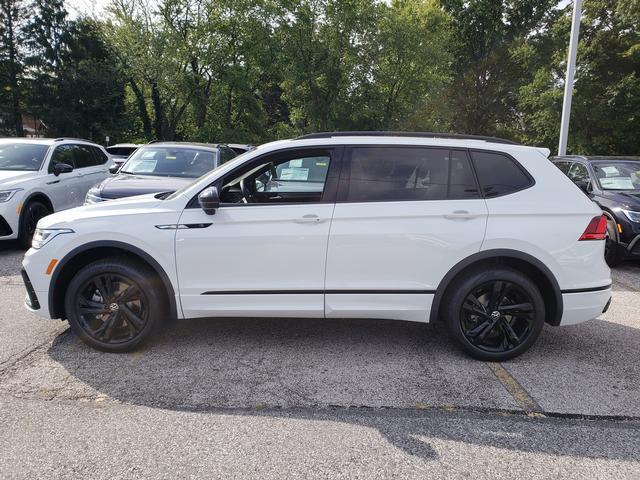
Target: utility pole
{"points": [[571, 70]]}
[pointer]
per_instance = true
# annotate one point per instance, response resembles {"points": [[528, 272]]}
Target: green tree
{"points": [[12, 14]]}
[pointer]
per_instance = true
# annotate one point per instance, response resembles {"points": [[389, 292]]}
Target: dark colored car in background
{"points": [[161, 167], [119, 154], [614, 184]]}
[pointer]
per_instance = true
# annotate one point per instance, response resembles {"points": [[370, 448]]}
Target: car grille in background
{"points": [[5, 229], [33, 300]]}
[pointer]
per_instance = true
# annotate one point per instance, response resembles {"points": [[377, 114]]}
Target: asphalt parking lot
{"points": [[290, 398]]}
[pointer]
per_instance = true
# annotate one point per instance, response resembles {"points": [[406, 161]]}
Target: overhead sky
{"points": [[85, 7]]}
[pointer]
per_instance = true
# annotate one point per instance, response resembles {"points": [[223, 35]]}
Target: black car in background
{"points": [[614, 184], [160, 167]]}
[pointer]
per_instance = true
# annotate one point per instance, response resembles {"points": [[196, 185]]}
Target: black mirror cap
{"points": [[209, 200], [59, 168]]}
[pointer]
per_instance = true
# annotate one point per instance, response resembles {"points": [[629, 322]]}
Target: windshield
{"points": [[22, 156], [170, 162], [618, 175]]}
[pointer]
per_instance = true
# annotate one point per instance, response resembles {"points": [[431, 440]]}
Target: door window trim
{"points": [[336, 158]]}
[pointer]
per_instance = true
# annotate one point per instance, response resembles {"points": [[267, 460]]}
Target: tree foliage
{"points": [[256, 70]]}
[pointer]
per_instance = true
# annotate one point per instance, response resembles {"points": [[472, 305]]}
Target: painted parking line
{"points": [[517, 391]]}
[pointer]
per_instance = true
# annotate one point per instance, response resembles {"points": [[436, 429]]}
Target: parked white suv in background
{"points": [[42, 176], [482, 234]]}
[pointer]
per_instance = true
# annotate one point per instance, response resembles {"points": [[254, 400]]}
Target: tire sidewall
{"points": [[138, 274], [463, 287], [23, 237]]}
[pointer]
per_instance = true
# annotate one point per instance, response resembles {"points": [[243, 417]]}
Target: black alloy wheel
{"points": [[112, 308], [495, 312], [31, 214], [115, 304], [497, 316]]}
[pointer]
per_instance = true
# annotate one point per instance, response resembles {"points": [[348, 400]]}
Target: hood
{"points": [[630, 200], [123, 206], [11, 177], [127, 185]]}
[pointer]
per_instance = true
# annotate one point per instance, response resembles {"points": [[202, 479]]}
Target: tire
{"points": [[613, 254], [31, 213], [115, 304], [482, 332]]}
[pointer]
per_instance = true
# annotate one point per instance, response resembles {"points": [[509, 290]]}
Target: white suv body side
{"points": [[340, 259], [60, 192]]}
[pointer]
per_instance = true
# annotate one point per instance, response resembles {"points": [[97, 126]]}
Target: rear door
{"points": [[91, 168], [404, 217]]}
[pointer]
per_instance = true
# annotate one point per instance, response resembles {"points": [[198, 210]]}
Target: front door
{"points": [[404, 216], [263, 253], [63, 189]]}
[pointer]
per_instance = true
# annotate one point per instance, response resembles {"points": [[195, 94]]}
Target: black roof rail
{"points": [[456, 136]]}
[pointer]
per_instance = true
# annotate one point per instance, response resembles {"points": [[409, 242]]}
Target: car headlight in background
{"points": [[93, 196], [42, 236], [5, 195], [633, 216]]}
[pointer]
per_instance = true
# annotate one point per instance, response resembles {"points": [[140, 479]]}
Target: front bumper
{"points": [[9, 219], [34, 266], [583, 306]]}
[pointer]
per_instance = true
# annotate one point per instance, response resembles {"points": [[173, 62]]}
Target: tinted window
{"points": [[121, 151], [499, 174], [226, 154], [563, 166], [388, 174], [83, 156], [21, 156], [579, 173], [462, 182], [99, 156]]}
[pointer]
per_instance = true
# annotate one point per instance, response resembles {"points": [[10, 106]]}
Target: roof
{"points": [[129, 145], [44, 141]]}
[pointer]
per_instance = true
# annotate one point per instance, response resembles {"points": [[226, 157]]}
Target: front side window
{"points": [[286, 180], [170, 162], [404, 174], [63, 154], [499, 174], [578, 173], [22, 156], [563, 167], [618, 175], [226, 154]]}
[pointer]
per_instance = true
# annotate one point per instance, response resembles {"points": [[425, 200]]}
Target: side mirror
{"points": [[59, 168], [209, 200], [114, 168]]}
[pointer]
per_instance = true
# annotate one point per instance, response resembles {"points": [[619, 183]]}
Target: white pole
{"points": [[571, 70]]}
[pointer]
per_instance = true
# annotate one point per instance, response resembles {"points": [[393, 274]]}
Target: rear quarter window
{"points": [[499, 174]]}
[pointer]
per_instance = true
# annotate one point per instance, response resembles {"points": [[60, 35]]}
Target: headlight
{"points": [[93, 196], [5, 195], [42, 236], [633, 216]]}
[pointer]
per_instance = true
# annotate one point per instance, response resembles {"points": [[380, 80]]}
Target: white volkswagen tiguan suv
{"points": [[40, 176], [482, 234]]}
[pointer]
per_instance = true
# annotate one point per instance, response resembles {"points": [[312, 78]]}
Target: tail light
{"points": [[596, 230]]}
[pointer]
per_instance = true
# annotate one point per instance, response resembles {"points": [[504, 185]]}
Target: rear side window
{"points": [[396, 174], [100, 157], [499, 174], [83, 156]]}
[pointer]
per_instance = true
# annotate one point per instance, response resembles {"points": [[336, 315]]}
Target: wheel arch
{"points": [[534, 268], [81, 256], [43, 197]]}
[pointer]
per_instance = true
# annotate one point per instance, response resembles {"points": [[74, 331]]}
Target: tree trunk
{"points": [[142, 107]]}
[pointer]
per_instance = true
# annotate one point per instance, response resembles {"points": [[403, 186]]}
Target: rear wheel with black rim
{"points": [[495, 314], [115, 304], [31, 213]]}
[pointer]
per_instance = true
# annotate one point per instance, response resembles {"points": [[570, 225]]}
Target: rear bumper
{"points": [[584, 305]]}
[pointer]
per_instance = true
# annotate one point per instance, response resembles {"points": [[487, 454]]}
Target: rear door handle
{"points": [[460, 215], [310, 218]]}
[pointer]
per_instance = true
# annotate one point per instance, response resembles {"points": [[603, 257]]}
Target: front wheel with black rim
{"points": [[495, 313], [31, 213], [115, 304]]}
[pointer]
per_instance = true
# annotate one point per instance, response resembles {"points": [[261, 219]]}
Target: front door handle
{"points": [[310, 218], [460, 215]]}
